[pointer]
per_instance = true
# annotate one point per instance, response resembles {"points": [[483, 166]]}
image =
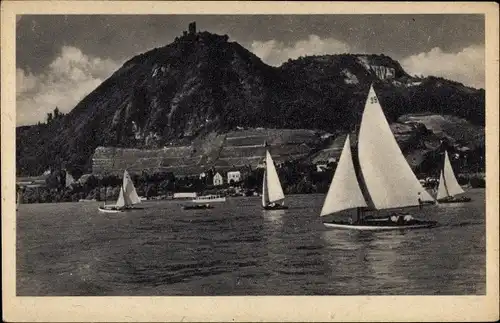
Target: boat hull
{"points": [[134, 208], [110, 210], [277, 207], [202, 200], [381, 225], [197, 207], [454, 200]]}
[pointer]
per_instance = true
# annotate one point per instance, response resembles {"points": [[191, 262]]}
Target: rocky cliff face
{"points": [[202, 85]]}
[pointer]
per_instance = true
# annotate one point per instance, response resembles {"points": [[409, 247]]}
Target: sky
{"points": [[62, 58]]}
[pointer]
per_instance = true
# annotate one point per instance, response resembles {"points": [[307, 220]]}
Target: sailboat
{"points": [[273, 197], [127, 198], [378, 178], [448, 185]]}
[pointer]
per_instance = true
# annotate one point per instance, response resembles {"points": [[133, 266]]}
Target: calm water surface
{"points": [[239, 249]]}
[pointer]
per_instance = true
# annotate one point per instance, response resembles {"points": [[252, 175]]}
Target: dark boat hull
{"points": [[454, 200], [381, 225], [276, 207], [197, 207]]}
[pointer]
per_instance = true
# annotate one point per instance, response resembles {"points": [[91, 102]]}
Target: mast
{"points": [[361, 181], [265, 197], [359, 214]]}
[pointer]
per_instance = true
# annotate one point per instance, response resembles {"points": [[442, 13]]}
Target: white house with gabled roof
{"points": [[218, 179]]}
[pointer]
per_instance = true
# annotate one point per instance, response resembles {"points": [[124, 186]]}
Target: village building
{"points": [[332, 160], [218, 179], [233, 177], [34, 181], [83, 179], [321, 167]]}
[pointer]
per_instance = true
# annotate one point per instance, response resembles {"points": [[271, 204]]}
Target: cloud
{"points": [[275, 53], [67, 80], [466, 66]]}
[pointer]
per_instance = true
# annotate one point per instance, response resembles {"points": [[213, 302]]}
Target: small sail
{"points": [[273, 182], [344, 192], [69, 179], [442, 189], [387, 175], [130, 193], [121, 199], [450, 180], [265, 195]]}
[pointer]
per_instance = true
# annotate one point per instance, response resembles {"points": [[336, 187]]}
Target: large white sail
{"points": [[448, 184], [129, 190], [274, 190], [265, 195], [344, 192], [387, 175]]}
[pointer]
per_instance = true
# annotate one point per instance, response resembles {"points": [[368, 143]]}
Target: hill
{"points": [[202, 86]]}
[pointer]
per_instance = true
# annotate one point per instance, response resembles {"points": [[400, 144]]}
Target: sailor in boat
{"points": [[419, 201], [274, 204], [401, 218], [408, 218]]}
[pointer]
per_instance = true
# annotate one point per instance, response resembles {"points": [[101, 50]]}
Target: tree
{"points": [[90, 183], [165, 186], [250, 181], [57, 114], [151, 190], [49, 118], [54, 180]]}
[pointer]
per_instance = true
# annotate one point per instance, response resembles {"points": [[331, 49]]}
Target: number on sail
{"points": [[373, 100]]}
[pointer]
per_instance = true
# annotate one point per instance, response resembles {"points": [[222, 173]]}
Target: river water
{"points": [[236, 248]]}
